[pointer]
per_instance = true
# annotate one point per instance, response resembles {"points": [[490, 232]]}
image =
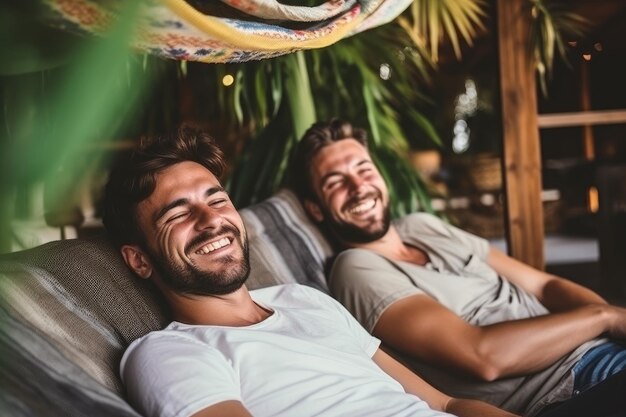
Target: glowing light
{"points": [[385, 71], [461, 140], [466, 105], [587, 57], [228, 80], [593, 200]]}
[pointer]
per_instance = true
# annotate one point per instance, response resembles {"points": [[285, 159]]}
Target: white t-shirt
{"points": [[309, 358]]}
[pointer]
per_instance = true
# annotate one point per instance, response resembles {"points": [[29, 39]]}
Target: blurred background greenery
{"points": [[71, 101]]}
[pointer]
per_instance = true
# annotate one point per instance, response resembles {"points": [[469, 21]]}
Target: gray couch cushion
{"points": [[69, 309], [285, 246], [36, 379]]}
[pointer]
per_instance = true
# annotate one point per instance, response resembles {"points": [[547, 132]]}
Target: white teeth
{"points": [[210, 247], [364, 206]]}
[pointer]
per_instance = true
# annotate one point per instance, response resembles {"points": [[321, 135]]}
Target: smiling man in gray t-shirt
{"points": [[470, 319]]}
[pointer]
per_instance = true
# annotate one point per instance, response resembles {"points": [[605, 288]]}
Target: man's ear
{"points": [[137, 260], [314, 210]]}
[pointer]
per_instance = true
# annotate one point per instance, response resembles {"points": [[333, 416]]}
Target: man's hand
{"points": [[225, 408]]}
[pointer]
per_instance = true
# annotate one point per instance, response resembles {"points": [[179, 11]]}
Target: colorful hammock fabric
{"points": [[231, 30]]}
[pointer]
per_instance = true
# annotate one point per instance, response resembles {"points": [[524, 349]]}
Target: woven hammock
{"points": [[230, 30]]}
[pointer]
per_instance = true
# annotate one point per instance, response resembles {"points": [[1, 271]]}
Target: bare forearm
{"points": [[420, 327], [467, 408], [523, 346]]}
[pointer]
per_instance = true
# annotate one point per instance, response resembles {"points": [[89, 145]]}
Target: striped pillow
{"points": [[285, 246], [68, 310]]}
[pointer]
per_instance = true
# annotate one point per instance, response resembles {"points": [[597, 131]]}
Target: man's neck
{"points": [[393, 247], [237, 309]]}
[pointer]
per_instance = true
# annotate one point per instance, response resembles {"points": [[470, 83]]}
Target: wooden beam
{"points": [[598, 117], [521, 160]]}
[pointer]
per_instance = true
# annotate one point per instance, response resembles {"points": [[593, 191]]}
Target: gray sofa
{"points": [[69, 308]]}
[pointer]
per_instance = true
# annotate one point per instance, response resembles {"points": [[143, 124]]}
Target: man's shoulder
{"points": [[157, 346], [420, 220], [171, 335], [357, 256], [354, 263]]}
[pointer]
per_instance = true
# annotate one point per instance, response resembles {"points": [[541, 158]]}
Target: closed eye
{"points": [[176, 216], [332, 183], [219, 203]]}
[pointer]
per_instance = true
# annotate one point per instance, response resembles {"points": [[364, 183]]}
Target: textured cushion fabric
{"points": [[285, 246], [69, 309], [37, 380]]}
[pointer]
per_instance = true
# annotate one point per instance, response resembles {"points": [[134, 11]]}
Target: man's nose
{"points": [[207, 218], [356, 183]]}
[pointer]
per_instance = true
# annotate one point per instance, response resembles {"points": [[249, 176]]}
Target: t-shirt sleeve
{"points": [[167, 375], [366, 284]]}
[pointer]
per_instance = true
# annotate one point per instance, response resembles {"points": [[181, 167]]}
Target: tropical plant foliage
{"points": [[552, 21], [372, 79], [430, 21], [61, 92], [344, 81], [58, 102]]}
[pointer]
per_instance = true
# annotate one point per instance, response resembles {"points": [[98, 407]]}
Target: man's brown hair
{"points": [[318, 136], [133, 179]]}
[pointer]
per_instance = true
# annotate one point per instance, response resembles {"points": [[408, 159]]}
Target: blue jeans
{"points": [[599, 385], [598, 364]]}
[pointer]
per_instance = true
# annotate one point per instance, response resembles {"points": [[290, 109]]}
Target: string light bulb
{"points": [[228, 80]]}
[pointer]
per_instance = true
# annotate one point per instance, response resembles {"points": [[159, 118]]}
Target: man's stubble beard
{"points": [[189, 279], [349, 233]]}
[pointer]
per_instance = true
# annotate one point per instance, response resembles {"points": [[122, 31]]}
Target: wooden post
{"points": [[522, 160]]}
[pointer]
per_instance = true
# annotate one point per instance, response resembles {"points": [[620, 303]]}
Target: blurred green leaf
{"points": [[89, 100]]}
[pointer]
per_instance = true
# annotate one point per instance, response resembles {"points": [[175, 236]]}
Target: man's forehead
{"points": [[184, 174], [178, 181], [345, 152]]}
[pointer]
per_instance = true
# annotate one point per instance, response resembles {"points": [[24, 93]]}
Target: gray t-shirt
{"points": [[458, 277]]}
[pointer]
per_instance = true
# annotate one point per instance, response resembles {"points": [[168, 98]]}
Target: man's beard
{"points": [[189, 279], [350, 233]]}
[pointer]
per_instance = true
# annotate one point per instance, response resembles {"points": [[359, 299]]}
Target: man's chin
{"points": [[219, 284], [349, 233]]}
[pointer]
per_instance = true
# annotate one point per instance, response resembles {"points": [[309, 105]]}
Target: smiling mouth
{"points": [[213, 246], [363, 206]]}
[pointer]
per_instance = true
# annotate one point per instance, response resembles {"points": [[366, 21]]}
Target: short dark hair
{"points": [[318, 136], [133, 179]]}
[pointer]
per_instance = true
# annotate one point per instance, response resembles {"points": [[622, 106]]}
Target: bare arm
{"points": [[226, 408], [556, 293], [437, 400], [424, 329]]}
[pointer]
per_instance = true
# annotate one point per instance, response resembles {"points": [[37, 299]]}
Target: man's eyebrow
{"points": [[183, 201]]}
